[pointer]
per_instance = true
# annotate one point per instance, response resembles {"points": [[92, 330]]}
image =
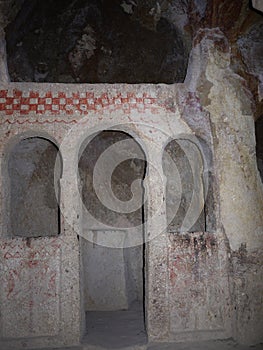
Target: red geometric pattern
{"points": [[54, 103]]}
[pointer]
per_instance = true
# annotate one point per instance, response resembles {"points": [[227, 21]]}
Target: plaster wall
{"points": [[36, 112], [194, 281]]}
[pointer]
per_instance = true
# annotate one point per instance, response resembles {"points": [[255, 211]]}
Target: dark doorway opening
{"points": [[111, 170]]}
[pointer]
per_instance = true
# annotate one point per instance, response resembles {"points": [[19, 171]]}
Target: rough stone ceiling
{"points": [[229, 16], [8, 10], [161, 21], [95, 41]]}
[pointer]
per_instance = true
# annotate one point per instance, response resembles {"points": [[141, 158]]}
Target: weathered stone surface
{"points": [[229, 103], [94, 42], [84, 52], [39, 278], [8, 10], [251, 51], [233, 125], [4, 75], [31, 287], [199, 291], [104, 275], [257, 4], [183, 167], [247, 284], [197, 285], [33, 179], [132, 109]]}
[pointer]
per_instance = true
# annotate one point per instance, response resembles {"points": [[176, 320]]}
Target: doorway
{"points": [[112, 167]]}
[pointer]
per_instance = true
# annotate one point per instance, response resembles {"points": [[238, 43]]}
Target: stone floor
{"points": [[120, 329], [209, 345], [124, 330]]}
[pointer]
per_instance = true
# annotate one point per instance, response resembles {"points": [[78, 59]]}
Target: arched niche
{"points": [[112, 264], [34, 167], [185, 188], [114, 144]]}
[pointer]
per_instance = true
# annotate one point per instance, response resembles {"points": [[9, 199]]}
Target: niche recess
{"points": [[183, 167], [33, 175], [92, 41]]}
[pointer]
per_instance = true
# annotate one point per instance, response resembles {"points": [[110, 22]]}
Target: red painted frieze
{"points": [[56, 103]]}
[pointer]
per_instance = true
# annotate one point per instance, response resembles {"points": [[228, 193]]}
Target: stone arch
{"points": [[110, 138], [151, 137], [31, 171]]}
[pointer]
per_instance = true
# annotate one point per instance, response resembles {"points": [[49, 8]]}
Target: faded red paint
{"points": [[173, 276], [25, 103], [30, 265], [15, 255], [11, 283]]}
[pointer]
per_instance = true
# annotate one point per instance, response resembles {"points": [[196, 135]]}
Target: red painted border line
{"points": [[27, 121]]}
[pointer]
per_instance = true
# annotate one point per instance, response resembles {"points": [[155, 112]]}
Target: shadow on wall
{"points": [[259, 145]]}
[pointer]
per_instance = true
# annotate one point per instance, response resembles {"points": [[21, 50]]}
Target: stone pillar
{"points": [[157, 315], [4, 76], [71, 211], [228, 101]]}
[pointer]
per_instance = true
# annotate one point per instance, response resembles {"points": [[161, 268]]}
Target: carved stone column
{"points": [[157, 315]]}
